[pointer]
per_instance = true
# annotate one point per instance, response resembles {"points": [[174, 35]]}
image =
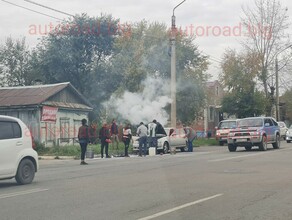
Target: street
{"points": [[210, 183]]}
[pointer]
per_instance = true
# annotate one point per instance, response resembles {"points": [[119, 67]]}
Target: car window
{"points": [[250, 122], [16, 130], [281, 124], [227, 124], [9, 130], [268, 121], [171, 131]]}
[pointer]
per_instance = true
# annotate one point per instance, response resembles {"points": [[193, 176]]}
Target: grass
{"points": [[205, 142], [74, 150]]}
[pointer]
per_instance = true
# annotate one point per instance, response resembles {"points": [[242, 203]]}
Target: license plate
{"points": [[241, 140]]}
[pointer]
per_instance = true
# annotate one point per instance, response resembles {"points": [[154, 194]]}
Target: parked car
{"points": [[223, 129], [176, 137], [289, 134], [18, 159], [254, 131], [283, 129]]}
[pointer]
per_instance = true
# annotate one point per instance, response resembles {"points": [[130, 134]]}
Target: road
{"points": [[210, 183]]}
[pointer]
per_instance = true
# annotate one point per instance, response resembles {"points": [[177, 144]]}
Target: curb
{"points": [[56, 158]]}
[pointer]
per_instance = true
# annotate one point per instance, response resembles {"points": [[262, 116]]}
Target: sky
{"points": [[207, 19]]}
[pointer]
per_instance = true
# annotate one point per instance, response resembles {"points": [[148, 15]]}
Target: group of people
{"points": [[110, 134], [107, 134], [149, 135]]}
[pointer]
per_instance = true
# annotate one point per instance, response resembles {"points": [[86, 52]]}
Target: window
{"points": [[51, 132], [64, 128], [9, 130]]}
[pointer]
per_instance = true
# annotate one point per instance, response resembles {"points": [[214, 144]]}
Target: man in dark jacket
{"points": [[83, 137], [115, 136], [104, 136]]}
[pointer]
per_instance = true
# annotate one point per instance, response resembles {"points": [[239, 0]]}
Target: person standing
{"points": [[104, 136], [191, 135], [142, 134], [115, 136], [152, 133], [83, 137], [127, 136]]}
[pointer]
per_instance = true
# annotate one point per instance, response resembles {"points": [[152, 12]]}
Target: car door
{"points": [[275, 128], [181, 137], [172, 137], [269, 129], [10, 142]]}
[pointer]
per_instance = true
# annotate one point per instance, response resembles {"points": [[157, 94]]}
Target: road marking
{"points": [[9, 195], [179, 207], [248, 155]]}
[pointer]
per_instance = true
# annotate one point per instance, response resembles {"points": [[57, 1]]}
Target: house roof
{"points": [[34, 95]]}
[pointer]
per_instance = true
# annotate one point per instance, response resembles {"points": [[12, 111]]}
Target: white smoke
{"points": [[144, 106]]}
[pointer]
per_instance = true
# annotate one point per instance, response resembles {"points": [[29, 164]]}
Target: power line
{"points": [[44, 6], [213, 59], [31, 10]]}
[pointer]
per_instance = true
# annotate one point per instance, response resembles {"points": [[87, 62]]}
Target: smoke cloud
{"points": [[144, 106]]}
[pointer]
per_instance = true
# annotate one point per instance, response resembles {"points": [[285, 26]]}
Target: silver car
{"points": [[289, 134], [176, 137], [283, 129]]}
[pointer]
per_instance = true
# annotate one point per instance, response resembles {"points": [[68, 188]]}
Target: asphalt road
{"points": [[210, 183]]}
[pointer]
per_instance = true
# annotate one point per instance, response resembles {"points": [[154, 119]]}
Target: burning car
{"points": [[175, 137]]}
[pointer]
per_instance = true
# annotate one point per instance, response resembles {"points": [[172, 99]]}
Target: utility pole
{"points": [[173, 69], [277, 92]]}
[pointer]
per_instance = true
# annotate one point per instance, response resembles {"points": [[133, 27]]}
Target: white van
{"points": [[17, 157]]}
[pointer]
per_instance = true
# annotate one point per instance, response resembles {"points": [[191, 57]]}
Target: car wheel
{"points": [[25, 172], [185, 148], [248, 148], [165, 148], [221, 143], [288, 141], [232, 147], [276, 145], [263, 146]]}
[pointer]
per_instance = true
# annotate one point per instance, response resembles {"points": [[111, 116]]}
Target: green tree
{"points": [[78, 51], [16, 67], [238, 77]]}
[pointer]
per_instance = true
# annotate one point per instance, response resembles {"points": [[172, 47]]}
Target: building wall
{"points": [[30, 116], [65, 130], [62, 132]]}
